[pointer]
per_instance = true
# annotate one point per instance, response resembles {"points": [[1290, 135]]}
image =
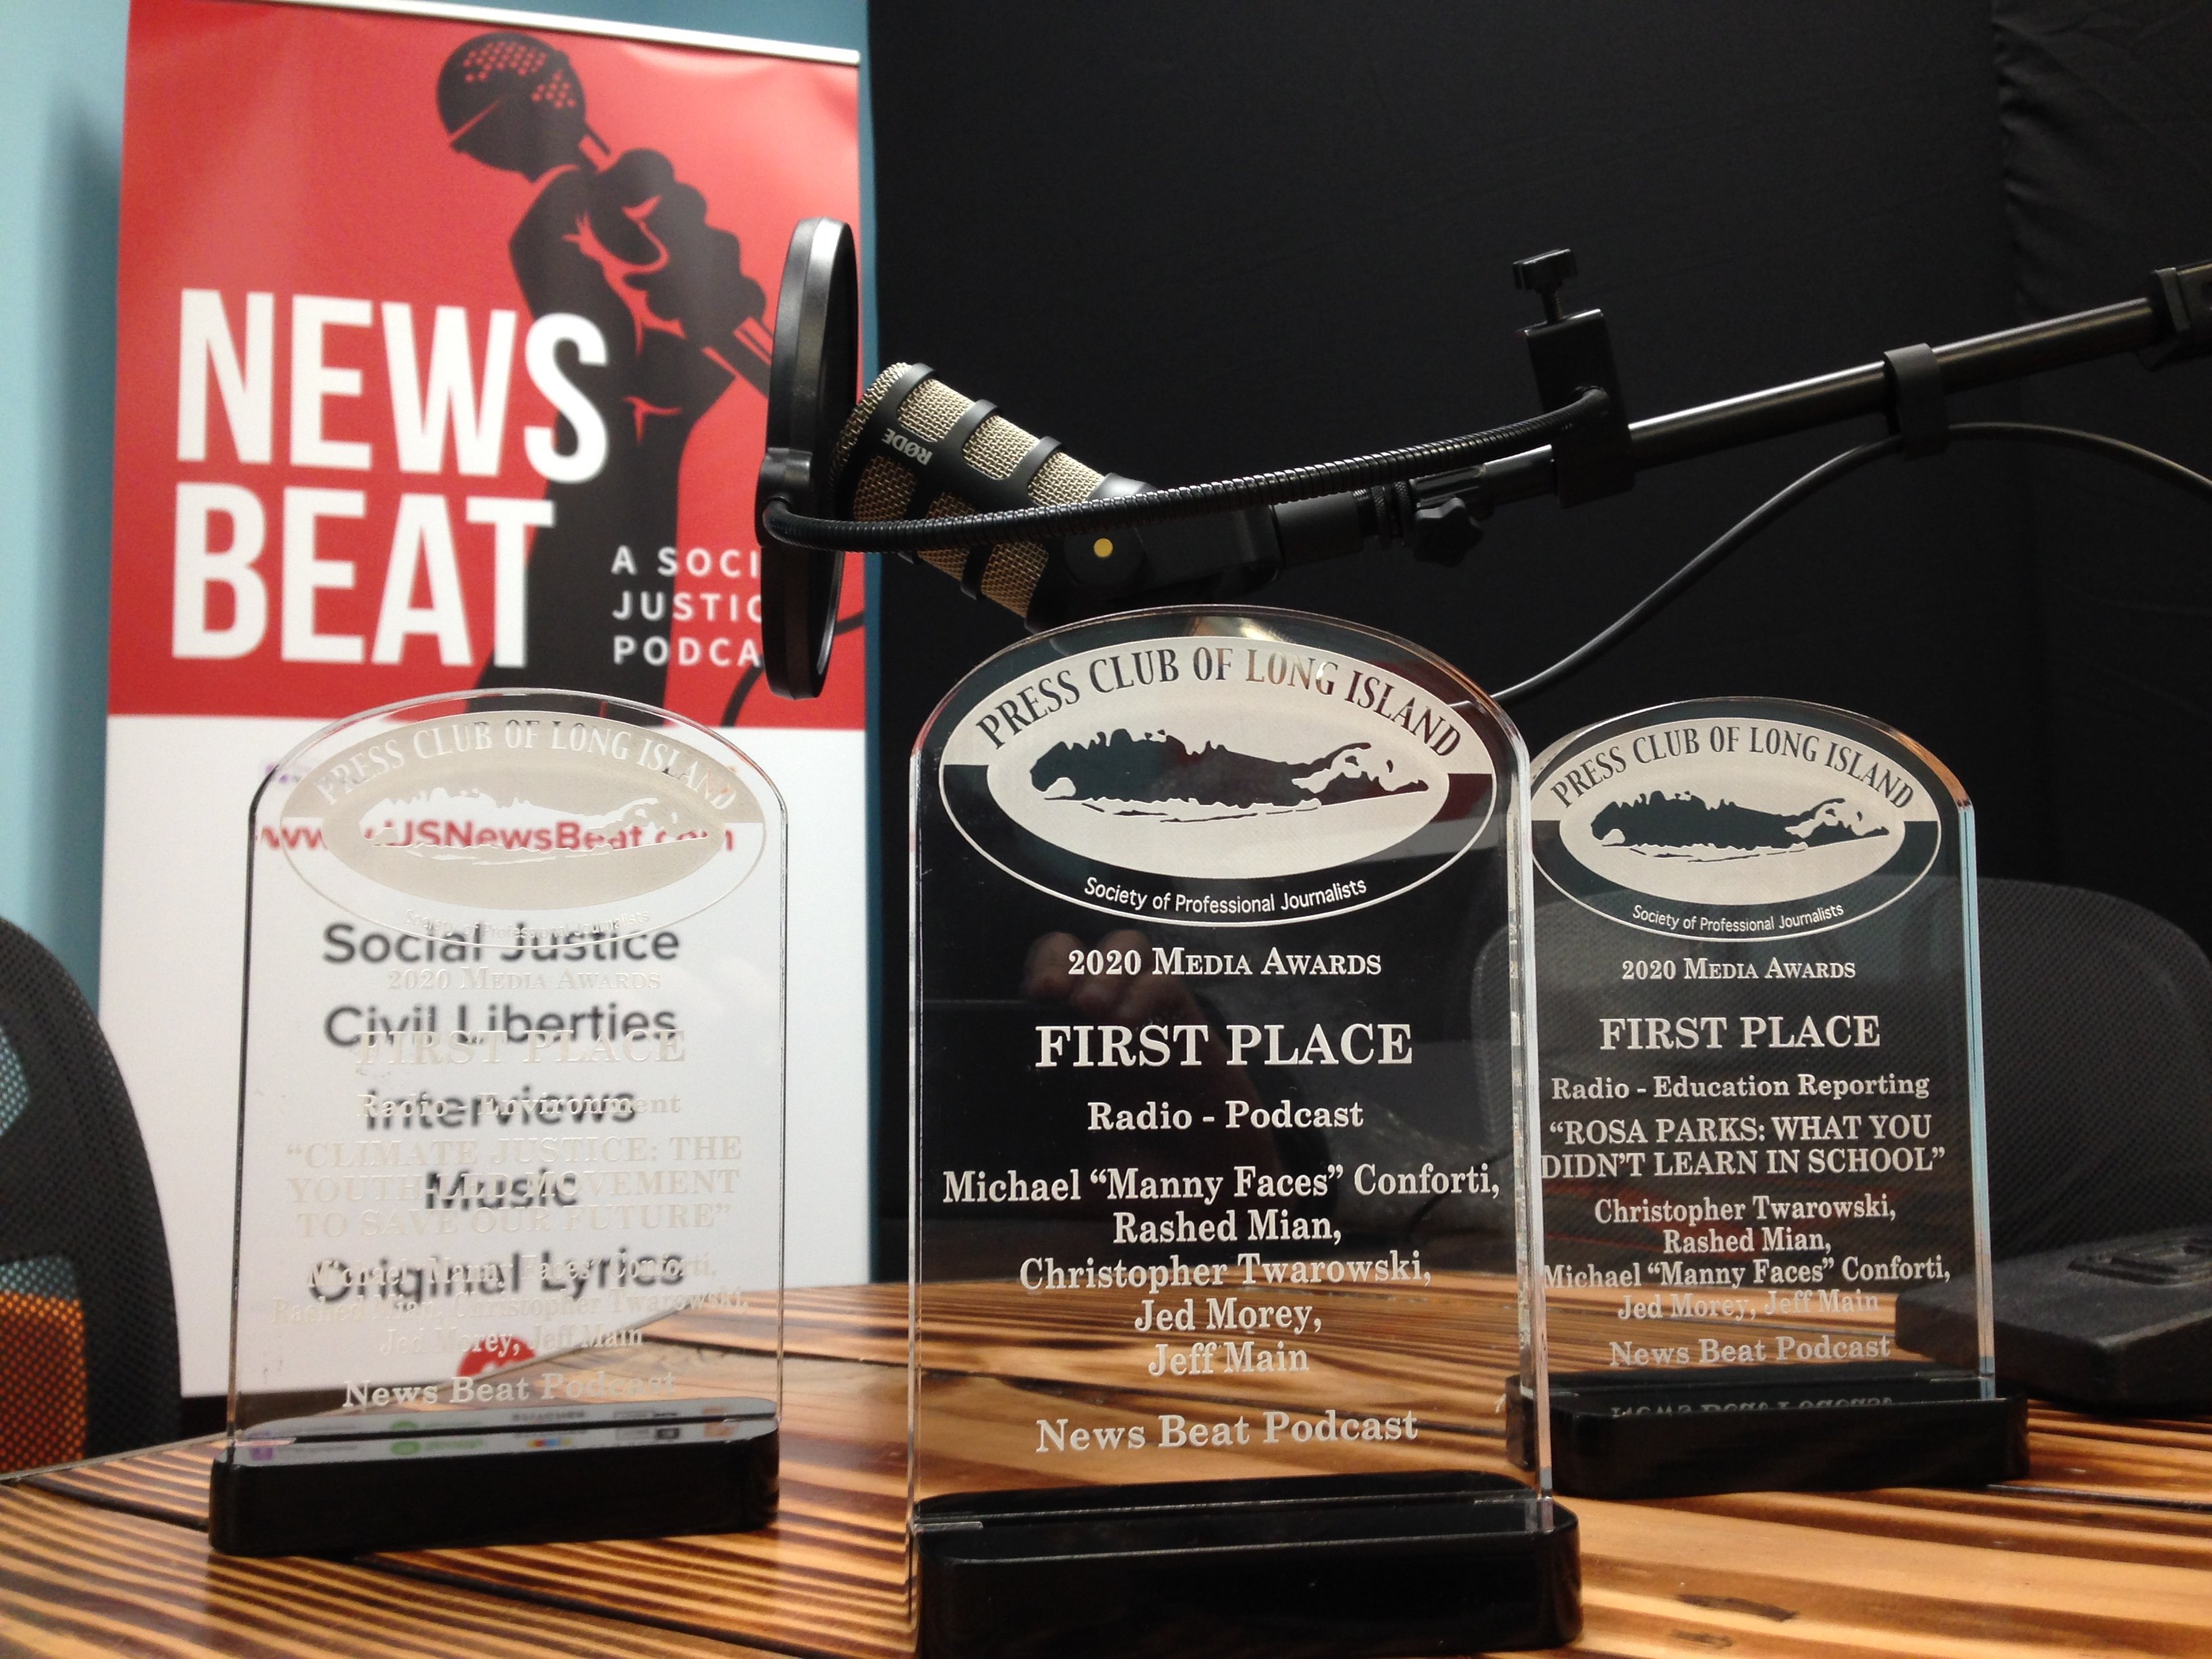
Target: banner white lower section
{"points": [[172, 965]]}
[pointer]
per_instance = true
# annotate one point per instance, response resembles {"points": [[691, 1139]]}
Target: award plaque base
{"points": [[449, 1241], [1316, 1567], [326, 1495], [1766, 1429]]}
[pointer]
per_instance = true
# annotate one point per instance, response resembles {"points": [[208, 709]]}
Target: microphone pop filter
{"points": [[812, 387]]}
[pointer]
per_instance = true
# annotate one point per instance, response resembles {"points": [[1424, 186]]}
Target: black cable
{"points": [[1835, 467], [1295, 483], [2092, 443], [1838, 466]]}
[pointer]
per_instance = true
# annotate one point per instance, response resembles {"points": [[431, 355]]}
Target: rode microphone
{"points": [[916, 467], [913, 447]]}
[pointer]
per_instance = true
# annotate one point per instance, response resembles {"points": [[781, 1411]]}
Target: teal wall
{"points": [[61, 147], [61, 81]]}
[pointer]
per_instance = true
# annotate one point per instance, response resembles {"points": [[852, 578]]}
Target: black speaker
{"points": [[2124, 1325]]}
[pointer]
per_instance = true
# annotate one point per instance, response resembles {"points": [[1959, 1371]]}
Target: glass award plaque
{"points": [[511, 1090], [1217, 1284], [1761, 1100]]}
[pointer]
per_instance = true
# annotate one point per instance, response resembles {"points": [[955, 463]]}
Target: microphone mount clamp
{"points": [[1570, 352]]}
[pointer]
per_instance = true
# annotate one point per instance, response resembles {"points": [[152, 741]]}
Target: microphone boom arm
{"points": [[1217, 541], [2172, 320]]}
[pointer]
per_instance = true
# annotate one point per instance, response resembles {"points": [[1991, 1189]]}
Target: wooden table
{"points": [[2106, 1548]]}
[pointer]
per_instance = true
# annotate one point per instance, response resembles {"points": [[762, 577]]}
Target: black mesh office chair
{"points": [[88, 1315], [2097, 1028]]}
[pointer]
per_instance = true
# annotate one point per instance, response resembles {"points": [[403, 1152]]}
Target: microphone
{"points": [[915, 447], [1026, 525]]}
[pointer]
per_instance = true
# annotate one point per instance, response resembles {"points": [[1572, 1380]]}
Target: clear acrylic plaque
{"points": [[1219, 1282], [1761, 1103], [512, 1091]]}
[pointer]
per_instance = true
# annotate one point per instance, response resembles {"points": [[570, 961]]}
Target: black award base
{"points": [[1767, 1429], [1320, 1567], [325, 1495]]}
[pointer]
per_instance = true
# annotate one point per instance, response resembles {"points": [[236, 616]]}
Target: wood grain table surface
{"points": [[2104, 1547]]}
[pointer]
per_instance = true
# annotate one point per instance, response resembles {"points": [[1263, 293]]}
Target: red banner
{"points": [[442, 345], [441, 357]]}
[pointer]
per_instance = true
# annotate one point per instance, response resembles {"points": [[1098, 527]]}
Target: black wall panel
{"points": [[2106, 114], [1192, 240]]}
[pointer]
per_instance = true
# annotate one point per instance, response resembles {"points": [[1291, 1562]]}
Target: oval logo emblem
{"points": [[518, 821], [1223, 776], [1737, 818]]}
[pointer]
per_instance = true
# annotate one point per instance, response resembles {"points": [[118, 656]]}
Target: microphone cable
{"points": [[1803, 488], [1295, 483]]}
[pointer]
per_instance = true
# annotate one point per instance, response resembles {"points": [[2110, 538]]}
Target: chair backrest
{"points": [[2097, 1029], [87, 1313]]}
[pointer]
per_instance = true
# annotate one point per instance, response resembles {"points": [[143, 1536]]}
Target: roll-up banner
{"points": [[442, 349]]}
